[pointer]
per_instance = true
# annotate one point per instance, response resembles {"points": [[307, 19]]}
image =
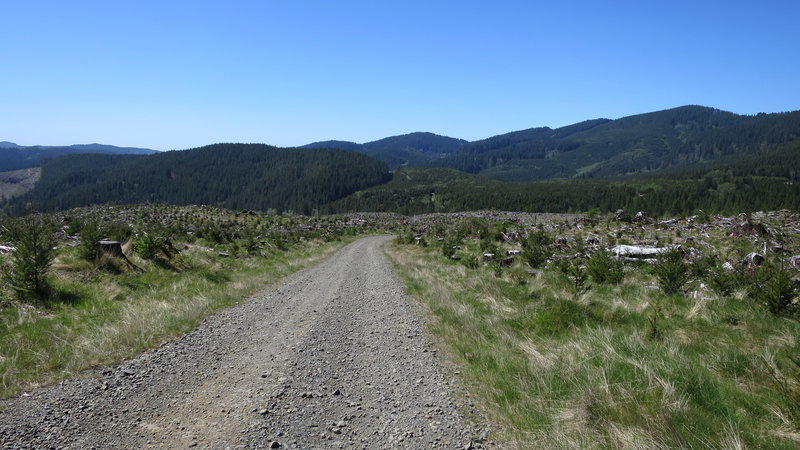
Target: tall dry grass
{"points": [[556, 370], [105, 318]]}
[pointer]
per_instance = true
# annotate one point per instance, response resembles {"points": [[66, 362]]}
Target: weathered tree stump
{"points": [[114, 248]]}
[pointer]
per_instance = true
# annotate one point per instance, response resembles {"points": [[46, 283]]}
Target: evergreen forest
{"points": [[686, 160], [233, 176]]}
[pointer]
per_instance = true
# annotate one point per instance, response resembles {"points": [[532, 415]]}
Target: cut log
{"points": [[635, 251]]}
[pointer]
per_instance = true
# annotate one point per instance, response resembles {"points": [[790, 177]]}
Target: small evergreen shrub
{"points": [[118, 231], [449, 246], [535, 256], [577, 275], [148, 246], [488, 245], [653, 326], [30, 262], [778, 292], [721, 281], [602, 267], [91, 233], [671, 271], [535, 249]]}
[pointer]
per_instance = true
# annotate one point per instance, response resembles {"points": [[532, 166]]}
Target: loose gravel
{"points": [[334, 357]]}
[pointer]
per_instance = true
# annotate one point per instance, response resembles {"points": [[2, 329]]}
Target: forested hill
{"points": [[413, 149], [767, 180], [600, 148], [235, 176], [15, 157], [418, 191], [631, 145]]}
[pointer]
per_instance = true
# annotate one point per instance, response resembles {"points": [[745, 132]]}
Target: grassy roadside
{"points": [[104, 317], [609, 366]]}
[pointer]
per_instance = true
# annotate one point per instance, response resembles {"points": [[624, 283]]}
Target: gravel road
{"points": [[334, 357]]}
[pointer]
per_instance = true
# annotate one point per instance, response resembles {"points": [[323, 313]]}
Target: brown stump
{"points": [[114, 248]]}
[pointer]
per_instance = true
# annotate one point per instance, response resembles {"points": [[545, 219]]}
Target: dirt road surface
{"points": [[334, 357]]}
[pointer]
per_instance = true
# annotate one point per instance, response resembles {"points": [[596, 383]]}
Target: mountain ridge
{"points": [[695, 143], [414, 149], [595, 148], [17, 157]]}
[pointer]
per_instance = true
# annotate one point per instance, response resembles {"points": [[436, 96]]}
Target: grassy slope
{"points": [[563, 370]]}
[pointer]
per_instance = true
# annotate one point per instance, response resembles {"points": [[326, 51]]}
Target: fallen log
{"points": [[640, 252]]}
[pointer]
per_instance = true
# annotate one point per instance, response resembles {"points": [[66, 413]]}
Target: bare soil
{"points": [[336, 356]]}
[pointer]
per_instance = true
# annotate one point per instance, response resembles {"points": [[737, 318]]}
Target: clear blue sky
{"points": [[180, 74]]}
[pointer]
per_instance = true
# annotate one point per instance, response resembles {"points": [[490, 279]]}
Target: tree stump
{"points": [[114, 248]]}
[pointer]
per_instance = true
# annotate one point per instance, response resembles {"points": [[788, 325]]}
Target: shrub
{"points": [[449, 246], [488, 245], [702, 266], [671, 271], [653, 326], [497, 269], [785, 378], [406, 238], [603, 268], [537, 238], [535, 255], [722, 282], [576, 273], [471, 261], [148, 246], [118, 231], [30, 263], [91, 234], [778, 292]]}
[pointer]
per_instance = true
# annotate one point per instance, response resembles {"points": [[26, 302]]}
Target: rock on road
{"points": [[335, 356]]}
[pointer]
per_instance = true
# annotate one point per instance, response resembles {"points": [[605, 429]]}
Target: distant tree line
{"points": [[234, 176]]}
